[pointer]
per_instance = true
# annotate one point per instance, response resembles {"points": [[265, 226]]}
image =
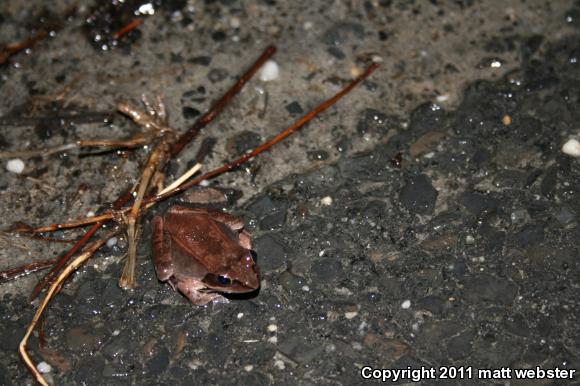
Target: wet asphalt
{"points": [[428, 220]]}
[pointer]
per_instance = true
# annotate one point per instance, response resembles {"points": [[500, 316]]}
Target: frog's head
{"points": [[240, 275]]}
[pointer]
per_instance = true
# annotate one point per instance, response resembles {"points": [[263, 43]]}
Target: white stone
{"points": [[112, 242], [15, 166], [279, 364], [572, 147], [235, 22], [270, 71], [406, 304], [326, 201], [350, 315], [43, 367]]}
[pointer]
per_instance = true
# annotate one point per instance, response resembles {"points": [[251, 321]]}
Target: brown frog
{"points": [[204, 253]]}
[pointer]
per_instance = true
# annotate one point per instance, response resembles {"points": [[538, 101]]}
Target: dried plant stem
{"points": [[268, 144], [54, 287], [62, 261], [14, 273], [138, 140], [14, 48], [206, 118], [186, 176], [155, 162], [38, 152], [233, 164]]}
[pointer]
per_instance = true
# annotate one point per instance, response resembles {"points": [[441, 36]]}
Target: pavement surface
{"points": [[429, 220]]}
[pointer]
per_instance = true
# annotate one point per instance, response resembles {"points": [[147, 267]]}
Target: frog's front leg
{"points": [[196, 292]]}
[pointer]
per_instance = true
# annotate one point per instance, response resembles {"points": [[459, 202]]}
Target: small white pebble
{"points": [[279, 364], [235, 22], [112, 242], [273, 339], [248, 368], [572, 147], [204, 183], [147, 9], [305, 288], [406, 304], [194, 364], [272, 328], [43, 367], [442, 98], [90, 213], [15, 165], [326, 201], [116, 332], [240, 315], [469, 239], [351, 314], [270, 71]]}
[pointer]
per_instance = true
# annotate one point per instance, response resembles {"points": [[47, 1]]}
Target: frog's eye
{"points": [[254, 255], [218, 280], [224, 280]]}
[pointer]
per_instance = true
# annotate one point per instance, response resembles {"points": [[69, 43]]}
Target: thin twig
{"points": [[268, 144], [122, 200], [88, 252], [15, 273], [127, 28], [186, 137], [180, 143], [231, 165], [186, 176], [15, 48], [131, 143]]}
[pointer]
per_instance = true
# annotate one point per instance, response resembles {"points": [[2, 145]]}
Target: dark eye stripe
{"points": [[254, 255]]}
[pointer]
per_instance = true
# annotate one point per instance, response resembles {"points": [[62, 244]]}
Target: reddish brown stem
{"points": [[14, 48], [14, 273], [268, 144], [127, 28], [186, 137], [49, 277], [63, 260]]}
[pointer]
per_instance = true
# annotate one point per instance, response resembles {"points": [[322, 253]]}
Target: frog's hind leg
{"points": [[160, 243]]}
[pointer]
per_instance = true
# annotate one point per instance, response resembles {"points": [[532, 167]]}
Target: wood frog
{"points": [[204, 253]]}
